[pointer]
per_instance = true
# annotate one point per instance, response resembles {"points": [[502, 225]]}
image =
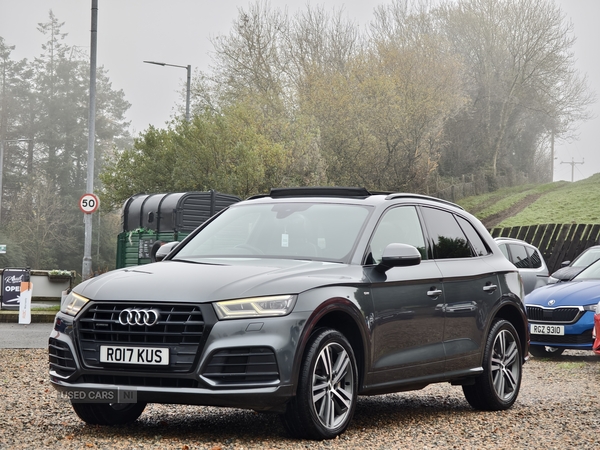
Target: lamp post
{"points": [[2, 142], [86, 267], [188, 68]]}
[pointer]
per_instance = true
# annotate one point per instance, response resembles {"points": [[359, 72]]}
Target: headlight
{"points": [[73, 304], [598, 308], [278, 305], [593, 308]]}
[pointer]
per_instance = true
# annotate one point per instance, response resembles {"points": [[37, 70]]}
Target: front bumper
{"points": [[578, 336], [259, 399], [244, 363]]}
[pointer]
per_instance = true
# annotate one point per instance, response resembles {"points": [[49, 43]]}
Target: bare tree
{"points": [[248, 60], [434, 86], [319, 42], [521, 72], [382, 118]]}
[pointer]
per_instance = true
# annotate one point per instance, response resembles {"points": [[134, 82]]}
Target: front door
{"points": [[408, 305]]}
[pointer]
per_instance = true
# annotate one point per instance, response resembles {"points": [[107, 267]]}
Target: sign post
{"points": [[88, 203]]}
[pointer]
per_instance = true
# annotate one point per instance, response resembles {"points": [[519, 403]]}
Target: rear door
{"points": [[470, 287]]}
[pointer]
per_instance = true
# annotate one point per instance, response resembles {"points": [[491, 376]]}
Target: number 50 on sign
{"points": [[88, 203]]}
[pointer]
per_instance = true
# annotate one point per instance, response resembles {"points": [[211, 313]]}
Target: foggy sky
{"points": [[178, 32]]}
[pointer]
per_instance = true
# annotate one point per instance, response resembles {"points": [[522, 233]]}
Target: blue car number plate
{"points": [[556, 330]]}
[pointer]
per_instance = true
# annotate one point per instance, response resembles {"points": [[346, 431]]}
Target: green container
{"points": [[148, 218]]}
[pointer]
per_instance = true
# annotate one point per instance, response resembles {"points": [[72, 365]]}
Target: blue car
{"points": [[561, 316]]}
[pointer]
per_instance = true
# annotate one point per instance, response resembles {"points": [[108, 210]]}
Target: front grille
{"points": [[567, 339], [60, 358], [243, 365], [567, 314], [180, 328], [139, 381]]}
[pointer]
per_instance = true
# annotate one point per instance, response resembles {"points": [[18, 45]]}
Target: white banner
{"points": [[25, 302]]}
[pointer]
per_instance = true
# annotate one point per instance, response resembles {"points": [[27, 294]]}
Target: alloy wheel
{"points": [[332, 386], [506, 367]]}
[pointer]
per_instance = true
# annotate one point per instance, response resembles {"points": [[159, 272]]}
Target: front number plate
{"points": [[134, 355], [557, 330]]}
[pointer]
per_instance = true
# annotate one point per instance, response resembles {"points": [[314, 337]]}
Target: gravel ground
{"points": [[558, 408]]}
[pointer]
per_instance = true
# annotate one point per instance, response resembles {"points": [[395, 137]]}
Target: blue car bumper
{"points": [[578, 336]]}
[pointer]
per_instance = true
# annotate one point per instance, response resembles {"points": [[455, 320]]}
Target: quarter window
{"points": [[477, 243], [447, 240]]}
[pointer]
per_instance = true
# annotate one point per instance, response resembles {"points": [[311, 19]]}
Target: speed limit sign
{"points": [[88, 203]]}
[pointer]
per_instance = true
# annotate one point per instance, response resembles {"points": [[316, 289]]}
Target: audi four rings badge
{"points": [[135, 316]]}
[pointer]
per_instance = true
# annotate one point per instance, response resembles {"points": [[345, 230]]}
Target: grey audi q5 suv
{"points": [[297, 302]]}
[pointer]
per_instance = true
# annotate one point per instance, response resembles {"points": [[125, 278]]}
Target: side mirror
{"points": [[164, 250], [565, 263], [398, 255]]}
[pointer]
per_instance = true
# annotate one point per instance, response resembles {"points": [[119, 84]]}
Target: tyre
{"points": [[498, 386], [327, 388], [542, 351], [108, 413]]}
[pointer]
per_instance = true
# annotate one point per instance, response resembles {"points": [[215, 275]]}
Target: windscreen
{"points": [[587, 258], [298, 230], [590, 273]]}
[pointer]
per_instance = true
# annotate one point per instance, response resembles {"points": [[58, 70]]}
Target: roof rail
{"points": [[319, 192], [423, 197], [350, 192]]}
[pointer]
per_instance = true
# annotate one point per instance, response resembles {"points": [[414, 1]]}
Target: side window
{"points": [[479, 246], [519, 256], [398, 225], [447, 238]]}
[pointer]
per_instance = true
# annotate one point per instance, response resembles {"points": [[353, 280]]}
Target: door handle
{"points": [[434, 293], [489, 288]]}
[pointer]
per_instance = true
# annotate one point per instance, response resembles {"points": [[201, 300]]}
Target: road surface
{"points": [[34, 335]]}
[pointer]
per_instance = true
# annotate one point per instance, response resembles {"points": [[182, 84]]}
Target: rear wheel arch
{"points": [[518, 319]]}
